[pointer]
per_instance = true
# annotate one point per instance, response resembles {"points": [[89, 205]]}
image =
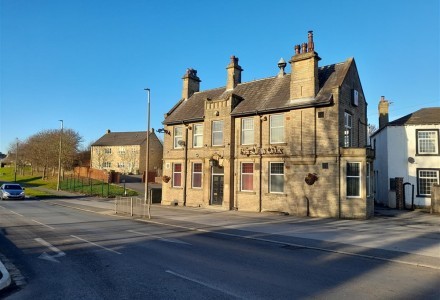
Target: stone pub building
{"points": [[293, 143]]}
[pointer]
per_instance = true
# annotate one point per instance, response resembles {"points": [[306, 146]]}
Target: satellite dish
{"points": [[411, 160]]}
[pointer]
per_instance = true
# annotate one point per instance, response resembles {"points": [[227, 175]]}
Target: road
{"points": [[64, 253]]}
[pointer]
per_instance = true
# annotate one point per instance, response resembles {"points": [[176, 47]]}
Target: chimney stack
{"points": [[234, 73], [383, 112], [191, 83], [304, 64]]}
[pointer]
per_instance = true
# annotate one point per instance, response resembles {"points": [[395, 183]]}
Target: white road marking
{"points": [[16, 213], [202, 283], [43, 224], [52, 248], [176, 241], [94, 244]]}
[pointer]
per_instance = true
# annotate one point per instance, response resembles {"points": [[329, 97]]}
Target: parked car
{"points": [[11, 191]]}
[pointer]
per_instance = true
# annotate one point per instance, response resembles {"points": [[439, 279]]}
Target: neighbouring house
{"points": [[293, 143], [406, 148], [125, 152]]}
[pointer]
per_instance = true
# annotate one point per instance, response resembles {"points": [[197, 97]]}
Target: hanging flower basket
{"points": [[311, 178], [166, 178]]}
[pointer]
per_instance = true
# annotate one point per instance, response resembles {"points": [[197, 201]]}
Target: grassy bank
{"points": [[32, 183]]}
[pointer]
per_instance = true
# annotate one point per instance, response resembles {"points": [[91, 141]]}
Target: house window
{"points": [[247, 131], [276, 129], [197, 175], [177, 175], [178, 136], [121, 165], [108, 150], [276, 177], [247, 177], [425, 179], [121, 151], [348, 124], [353, 179], [427, 142], [107, 164], [198, 135], [217, 133]]}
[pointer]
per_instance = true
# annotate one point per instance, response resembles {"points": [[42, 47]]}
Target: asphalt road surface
{"points": [[63, 253]]}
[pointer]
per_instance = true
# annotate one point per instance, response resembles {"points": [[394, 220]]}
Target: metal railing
{"points": [[133, 206]]}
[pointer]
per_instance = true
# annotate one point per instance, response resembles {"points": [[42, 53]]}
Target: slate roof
{"points": [[424, 116], [264, 95], [122, 139]]}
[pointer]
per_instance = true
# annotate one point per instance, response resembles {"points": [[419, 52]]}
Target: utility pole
{"points": [[147, 165], [59, 157], [16, 158]]}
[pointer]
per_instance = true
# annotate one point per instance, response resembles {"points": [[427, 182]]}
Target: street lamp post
{"points": [[59, 157], [16, 158], [147, 196]]}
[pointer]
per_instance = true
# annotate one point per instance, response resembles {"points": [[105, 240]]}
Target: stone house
{"points": [[293, 143], [407, 157], [125, 152]]}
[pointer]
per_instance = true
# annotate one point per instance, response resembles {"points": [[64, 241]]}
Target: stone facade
{"points": [[125, 152], [276, 133]]}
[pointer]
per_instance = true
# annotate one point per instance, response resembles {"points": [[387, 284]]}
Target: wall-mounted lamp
{"points": [[213, 162], [163, 130]]}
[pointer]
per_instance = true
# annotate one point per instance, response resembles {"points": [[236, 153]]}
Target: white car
{"points": [[11, 191]]}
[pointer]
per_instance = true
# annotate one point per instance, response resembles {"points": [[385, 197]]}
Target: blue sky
{"points": [[88, 62]]}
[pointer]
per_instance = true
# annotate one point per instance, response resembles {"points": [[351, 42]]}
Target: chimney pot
{"points": [[383, 112], [234, 73], [310, 43]]}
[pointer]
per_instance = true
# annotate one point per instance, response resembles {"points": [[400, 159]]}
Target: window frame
{"points": [[436, 142], [220, 132], [359, 179], [177, 173], [247, 174], [271, 128], [419, 186], [196, 173], [197, 135], [348, 129], [248, 130], [276, 174], [176, 137]]}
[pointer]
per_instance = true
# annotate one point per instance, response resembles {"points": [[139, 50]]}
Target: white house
{"points": [[409, 148]]}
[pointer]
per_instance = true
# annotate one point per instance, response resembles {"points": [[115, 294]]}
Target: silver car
{"points": [[11, 191]]}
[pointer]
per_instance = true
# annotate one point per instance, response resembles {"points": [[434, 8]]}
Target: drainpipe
{"points": [[260, 188], [185, 165]]}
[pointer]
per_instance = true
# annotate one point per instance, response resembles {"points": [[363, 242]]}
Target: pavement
{"points": [[397, 236]]}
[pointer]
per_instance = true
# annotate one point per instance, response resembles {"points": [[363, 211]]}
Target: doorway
{"points": [[217, 183]]}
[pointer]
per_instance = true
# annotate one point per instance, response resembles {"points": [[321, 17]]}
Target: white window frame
{"points": [[247, 131], [178, 137], [174, 173], [281, 139], [121, 150], [107, 150], [217, 132], [348, 129], [246, 174], [194, 172], [107, 164], [276, 174], [198, 135], [421, 141], [420, 187], [358, 177]]}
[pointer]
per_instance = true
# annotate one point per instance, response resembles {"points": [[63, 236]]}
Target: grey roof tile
{"points": [[268, 94]]}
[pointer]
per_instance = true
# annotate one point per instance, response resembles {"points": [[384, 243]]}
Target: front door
{"points": [[217, 186]]}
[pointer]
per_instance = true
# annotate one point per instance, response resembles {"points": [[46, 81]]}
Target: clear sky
{"points": [[88, 62]]}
